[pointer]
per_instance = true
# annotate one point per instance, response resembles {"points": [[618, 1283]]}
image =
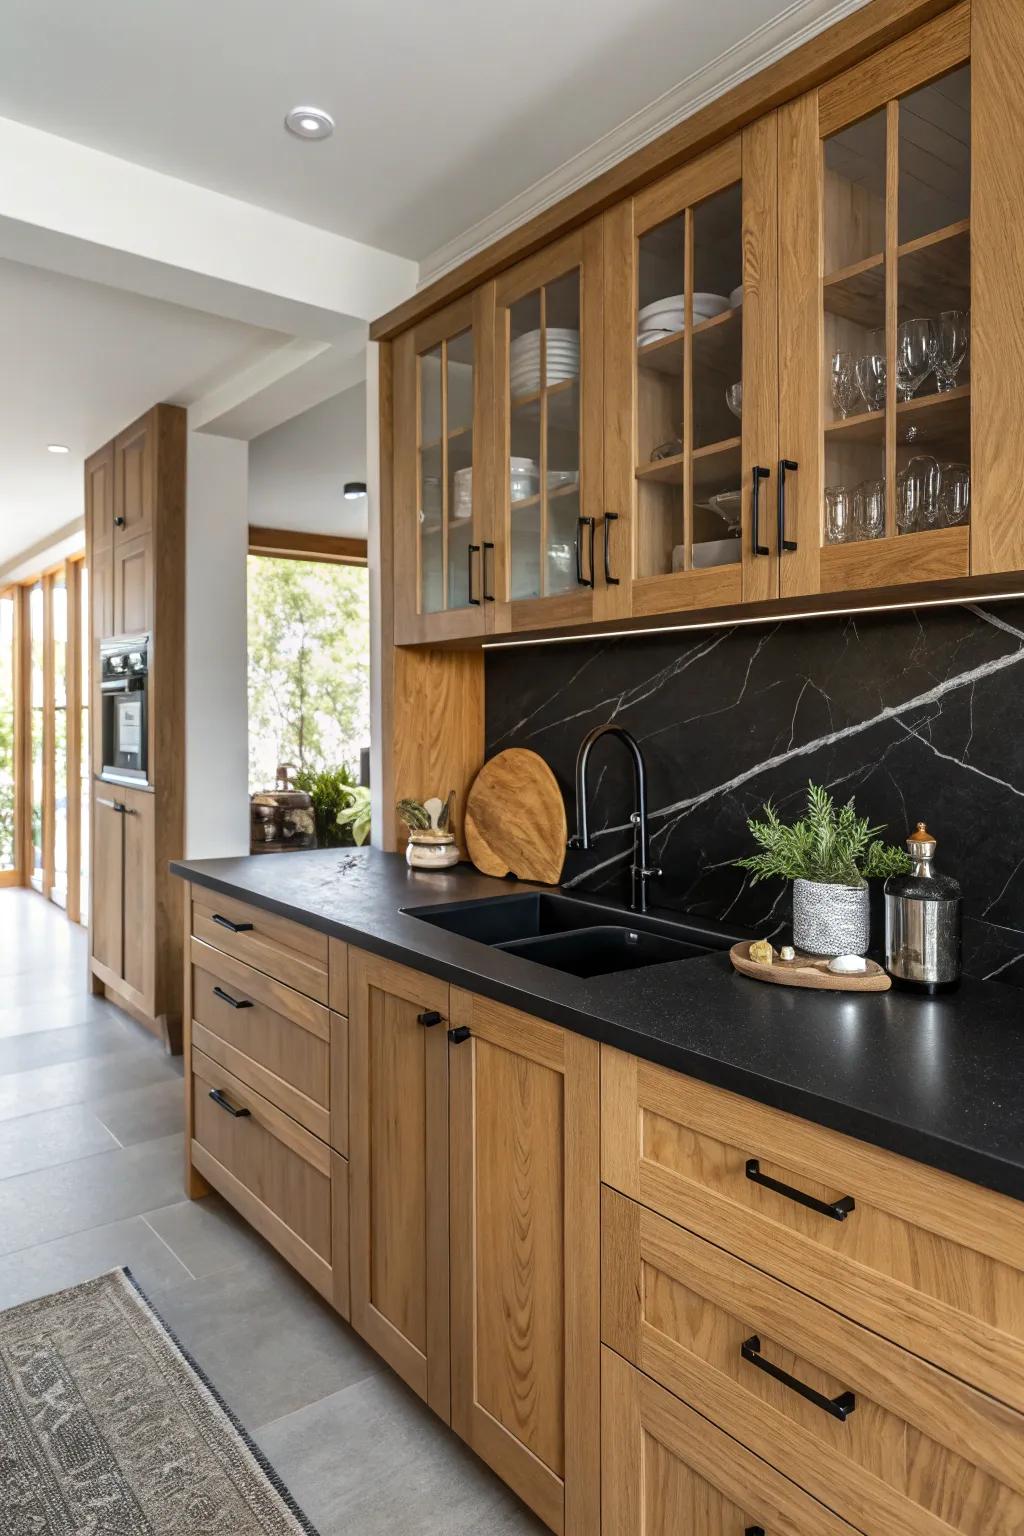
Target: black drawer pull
{"points": [[488, 596], [609, 518], [456, 1036], [759, 473], [792, 466], [589, 524], [429, 1018], [754, 1530], [225, 922], [838, 1407], [218, 1098], [233, 1002], [838, 1210], [471, 550]]}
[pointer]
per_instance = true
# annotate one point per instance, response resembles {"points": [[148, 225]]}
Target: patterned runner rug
{"points": [[107, 1428]]}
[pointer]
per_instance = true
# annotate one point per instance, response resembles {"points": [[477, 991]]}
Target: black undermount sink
{"points": [[583, 938]]}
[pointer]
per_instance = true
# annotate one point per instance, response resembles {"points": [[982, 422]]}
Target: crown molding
{"points": [[797, 24]]}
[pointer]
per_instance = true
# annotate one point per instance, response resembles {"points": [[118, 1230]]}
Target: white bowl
{"points": [[675, 301], [736, 297]]}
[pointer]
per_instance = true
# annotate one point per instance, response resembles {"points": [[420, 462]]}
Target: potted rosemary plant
{"points": [[829, 855]]}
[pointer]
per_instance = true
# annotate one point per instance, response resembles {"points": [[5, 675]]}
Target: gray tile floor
{"points": [[91, 1177]]}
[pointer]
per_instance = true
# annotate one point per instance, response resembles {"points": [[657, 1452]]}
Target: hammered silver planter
{"points": [[830, 919]]}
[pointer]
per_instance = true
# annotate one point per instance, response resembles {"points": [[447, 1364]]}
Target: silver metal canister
{"points": [[922, 922]]}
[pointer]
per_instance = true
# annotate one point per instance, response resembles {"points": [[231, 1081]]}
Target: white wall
{"points": [[216, 700], [297, 470]]}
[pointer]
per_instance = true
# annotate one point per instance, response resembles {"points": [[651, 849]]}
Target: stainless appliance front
{"points": [[124, 690]]}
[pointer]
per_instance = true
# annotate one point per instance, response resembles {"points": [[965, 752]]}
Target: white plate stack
{"points": [[463, 485], [666, 317], [563, 359]]}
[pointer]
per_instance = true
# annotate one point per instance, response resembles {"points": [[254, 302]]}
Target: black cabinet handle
{"points": [[609, 579], [754, 1530], [457, 1036], [119, 521], [791, 465], [838, 1210], [225, 922], [590, 524], [488, 596], [428, 1019], [759, 473], [218, 1098], [838, 1407], [232, 1002], [472, 549]]}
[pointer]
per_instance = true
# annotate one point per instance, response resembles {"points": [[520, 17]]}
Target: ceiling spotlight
{"points": [[309, 123], [354, 489], [57, 448]]}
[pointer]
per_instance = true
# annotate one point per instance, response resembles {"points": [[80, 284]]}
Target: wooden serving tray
{"points": [[808, 971]]}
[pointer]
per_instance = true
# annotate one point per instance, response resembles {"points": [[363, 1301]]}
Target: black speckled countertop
{"points": [[938, 1080]]}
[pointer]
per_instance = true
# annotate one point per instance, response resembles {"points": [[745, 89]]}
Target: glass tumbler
{"points": [[838, 514], [869, 509], [870, 372], [844, 384], [917, 500]]}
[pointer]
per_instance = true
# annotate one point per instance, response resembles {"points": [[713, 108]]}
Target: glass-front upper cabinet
{"points": [[692, 378], [878, 422], [547, 562], [443, 443]]}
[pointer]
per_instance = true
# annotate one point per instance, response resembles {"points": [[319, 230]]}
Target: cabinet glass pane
{"points": [[855, 368], [660, 339], [716, 379], [446, 473], [431, 517], [460, 382], [460, 516]]}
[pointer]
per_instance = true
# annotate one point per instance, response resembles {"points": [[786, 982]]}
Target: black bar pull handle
{"points": [[588, 523], [754, 1530], [225, 922], [838, 1407], [236, 1114], [232, 1002], [487, 545], [759, 473], [429, 1018], [792, 466], [838, 1210], [609, 579], [471, 550], [457, 1036]]}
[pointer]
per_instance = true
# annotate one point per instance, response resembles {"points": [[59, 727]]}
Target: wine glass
{"points": [[952, 337], [917, 501], [734, 399], [915, 355], [843, 383], [869, 509], [870, 372], [954, 495], [838, 514]]}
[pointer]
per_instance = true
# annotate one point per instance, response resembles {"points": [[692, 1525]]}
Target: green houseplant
{"points": [[829, 855], [355, 814], [329, 789]]}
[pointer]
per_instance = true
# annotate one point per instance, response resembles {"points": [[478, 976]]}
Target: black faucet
{"points": [[640, 870]]}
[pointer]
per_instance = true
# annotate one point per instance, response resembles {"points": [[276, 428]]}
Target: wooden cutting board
{"points": [[515, 818], [808, 971]]}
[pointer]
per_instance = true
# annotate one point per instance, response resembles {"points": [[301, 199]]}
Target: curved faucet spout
{"points": [[640, 871]]}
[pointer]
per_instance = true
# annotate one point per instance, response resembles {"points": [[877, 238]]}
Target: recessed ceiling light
{"points": [[57, 448], [354, 489], [309, 123]]}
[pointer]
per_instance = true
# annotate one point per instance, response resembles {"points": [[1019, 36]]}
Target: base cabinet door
{"points": [[524, 1255], [667, 1471], [107, 882], [138, 944], [398, 1186]]}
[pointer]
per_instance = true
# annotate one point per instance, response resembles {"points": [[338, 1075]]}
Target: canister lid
{"points": [[921, 843]]}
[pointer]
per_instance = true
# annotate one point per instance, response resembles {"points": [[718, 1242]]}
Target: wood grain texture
{"points": [[515, 818], [341, 1294], [666, 1470], [435, 725], [339, 1084], [524, 1244], [941, 554], [323, 548], [106, 883], [924, 1259], [806, 971], [398, 1172], [620, 401], [997, 299], [99, 532], [337, 975], [195, 1185], [930, 50], [246, 982], [679, 1309], [760, 319], [275, 1088], [275, 945]]}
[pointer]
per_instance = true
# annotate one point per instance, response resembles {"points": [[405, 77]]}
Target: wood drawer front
{"points": [[665, 1471], [920, 1453], [270, 1158], [923, 1258], [285, 1059], [275, 945]]}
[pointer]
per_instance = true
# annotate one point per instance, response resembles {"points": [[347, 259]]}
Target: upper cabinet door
{"points": [[135, 479], [691, 378], [99, 520], [548, 535], [876, 241], [443, 442]]}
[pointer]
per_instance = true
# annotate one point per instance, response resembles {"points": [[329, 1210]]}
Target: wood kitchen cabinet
{"points": [[99, 522], [525, 1168], [398, 1160], [123, 892]]}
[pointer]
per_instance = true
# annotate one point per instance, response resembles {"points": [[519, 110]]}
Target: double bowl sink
{"points": [[578, 937]]}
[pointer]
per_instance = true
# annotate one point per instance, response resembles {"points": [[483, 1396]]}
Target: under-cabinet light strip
{"points": [[756, 618]]}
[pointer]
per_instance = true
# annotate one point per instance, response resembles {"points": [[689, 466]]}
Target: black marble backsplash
{"points": [[918, 714]]}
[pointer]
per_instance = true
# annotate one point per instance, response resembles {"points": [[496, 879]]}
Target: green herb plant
{"points": [[329, 789], [833, 847]]}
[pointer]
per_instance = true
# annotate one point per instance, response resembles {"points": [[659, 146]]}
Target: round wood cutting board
{"points": [[515, 818]]}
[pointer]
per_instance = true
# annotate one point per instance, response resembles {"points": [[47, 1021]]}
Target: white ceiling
{"points": [[444, 111], [81, 361]]}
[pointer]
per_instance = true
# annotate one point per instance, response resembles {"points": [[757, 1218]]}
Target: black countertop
{"points": [[938, 1080]]}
